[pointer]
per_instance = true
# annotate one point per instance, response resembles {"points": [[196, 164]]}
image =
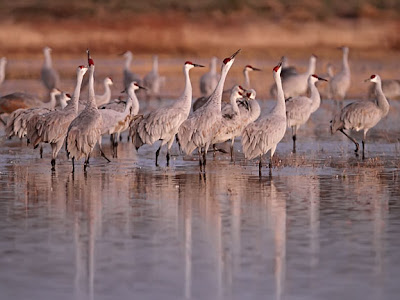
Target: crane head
{"points": [[318, 78], [228, 59], [373, 78], [251, 68], [193, 64], [278, 67]]}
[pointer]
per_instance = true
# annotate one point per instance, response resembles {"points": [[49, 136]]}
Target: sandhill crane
{"points": [[209, 80], [3, 63], [246, 71], [390, 87], [49, 76], [163, 123], [264, 135], [198, 130], [116, 122], [17, 121], [340, 82], [84, 132], [106, 96], [296, 84], [202, 100], [300, 108], [286, 69], [128, 75], [230, 121], [115, 104], [153, 81], [52, 127], [362, 115]]}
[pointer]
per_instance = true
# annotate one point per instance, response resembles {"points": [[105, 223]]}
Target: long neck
{"points": [[315, 97], [233, 98], [74, 102], [382, 102], [255, 110], [280, 107], [311, 67], [213, 66], [47, 59], [216, 96], [246, 78], [185, 101], [134, 102], [107, 91], [52, 103], [345, 62], [91, 102], [128, 61], [155, 64], [2, 70]]}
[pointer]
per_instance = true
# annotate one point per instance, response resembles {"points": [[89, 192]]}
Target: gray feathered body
{"points": [[261, 136]]}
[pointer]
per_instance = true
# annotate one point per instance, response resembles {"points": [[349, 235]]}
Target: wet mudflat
{"points": [[325, 225]]}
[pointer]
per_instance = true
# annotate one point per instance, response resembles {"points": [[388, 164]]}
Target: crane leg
{"points": [[232, 157], [53, 164], [168, 157], [294, 131], [260, 166], [363, 147], [200, 162], [73, 165], [204, 158], [215, 151], [353, 140], [41, 151], [157, 154]]}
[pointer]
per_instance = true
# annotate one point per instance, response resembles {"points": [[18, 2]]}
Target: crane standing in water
{"points": [[362, 115]]}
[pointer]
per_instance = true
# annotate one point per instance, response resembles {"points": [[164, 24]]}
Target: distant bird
{"points": [[325, 88], [362, 115], [84, 132], [106, 97], [390, 87], [128, 75], [246, 71], [163, 123], [296, 84], [49, 76], [230, 122], [153, 81], [115, 104], [264, 135], [17, 121], [14, 101], [286, 69], [3, 63], [115, 122], [199, 129], [340, 82], [300, 108], [52, 127], [209, 80]]}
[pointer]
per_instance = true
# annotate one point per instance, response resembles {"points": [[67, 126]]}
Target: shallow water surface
{"points": [[324, 225]]}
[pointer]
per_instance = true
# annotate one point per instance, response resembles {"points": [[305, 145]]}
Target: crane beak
{"points": [[234, 54], [199, 66], [256, 69], [141, 87], [367, 80], [323, 79]]}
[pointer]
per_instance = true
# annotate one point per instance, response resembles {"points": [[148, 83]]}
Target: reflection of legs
{"points": [[55, 148], [169, 145], [294, 131], [41, 151], [85, 165], [353, 140]]}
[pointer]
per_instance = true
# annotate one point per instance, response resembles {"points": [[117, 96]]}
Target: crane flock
{"points": [[80, 124]]}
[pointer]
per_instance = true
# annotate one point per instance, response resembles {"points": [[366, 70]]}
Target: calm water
{"points": [[325, 225]]}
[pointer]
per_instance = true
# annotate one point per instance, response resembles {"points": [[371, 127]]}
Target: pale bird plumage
{"points": [[48, 74], [340, 82]]}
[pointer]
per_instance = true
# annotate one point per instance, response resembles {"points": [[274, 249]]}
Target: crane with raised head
{"points": [[199, 129], [340, 82], [48, 74], [128, 75]]}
